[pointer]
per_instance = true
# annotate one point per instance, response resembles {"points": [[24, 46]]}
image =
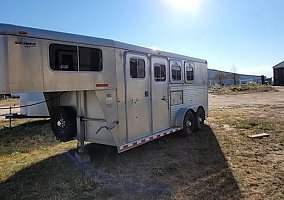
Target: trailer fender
{"points": [[181, 113]]}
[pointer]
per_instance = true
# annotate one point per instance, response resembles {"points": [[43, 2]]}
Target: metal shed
{"points": [[278, 74]]}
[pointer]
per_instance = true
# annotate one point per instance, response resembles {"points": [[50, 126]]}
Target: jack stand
{"points": [[10, 120], [81, 155]]}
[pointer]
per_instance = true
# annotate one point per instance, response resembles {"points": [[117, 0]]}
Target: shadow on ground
{"points": [[172, 167]]}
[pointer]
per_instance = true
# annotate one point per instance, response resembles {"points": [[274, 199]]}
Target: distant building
{"points": [[244, 78], [278, 74], [229, 78]]}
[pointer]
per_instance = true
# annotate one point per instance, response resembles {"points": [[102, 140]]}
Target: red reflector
{"points": [[102, 85], [23, 32]]}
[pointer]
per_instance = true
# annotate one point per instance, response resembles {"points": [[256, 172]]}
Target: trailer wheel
{"points": [[188, 123], [200, 118], [63, 123]]}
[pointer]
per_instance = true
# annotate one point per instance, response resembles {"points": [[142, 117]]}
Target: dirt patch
{"points": [[257, 164], [171, 168], [248, 100]]}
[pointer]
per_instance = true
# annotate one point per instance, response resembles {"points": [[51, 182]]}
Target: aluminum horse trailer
{"points": [[104, 91]]}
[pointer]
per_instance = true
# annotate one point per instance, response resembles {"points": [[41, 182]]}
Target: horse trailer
{"points": [[104, 91]]}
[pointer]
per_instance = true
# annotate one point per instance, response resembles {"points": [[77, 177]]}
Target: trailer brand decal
{"points": [[25, 43]]}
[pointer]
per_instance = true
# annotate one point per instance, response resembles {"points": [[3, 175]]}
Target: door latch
{"points": [[146, 93]]}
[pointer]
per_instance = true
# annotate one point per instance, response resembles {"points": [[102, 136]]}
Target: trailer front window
{"points": [[137, 68], [65, 58], [160, 72], [90, 59]]}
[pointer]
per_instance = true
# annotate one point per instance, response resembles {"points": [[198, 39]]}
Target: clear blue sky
{"points": [[247, 34]]}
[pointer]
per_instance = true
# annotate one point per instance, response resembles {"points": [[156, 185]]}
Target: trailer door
{"points": [[160, 97], [137, 96]]}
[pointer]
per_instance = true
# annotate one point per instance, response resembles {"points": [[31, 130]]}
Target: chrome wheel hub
{"points": [[188, 123], [199, 119], [61, 124]]}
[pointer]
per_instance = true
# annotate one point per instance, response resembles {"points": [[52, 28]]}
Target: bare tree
{"points": [[219, 77], [234, 71]]}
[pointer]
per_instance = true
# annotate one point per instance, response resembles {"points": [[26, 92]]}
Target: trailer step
{"points": [[147, 139]]}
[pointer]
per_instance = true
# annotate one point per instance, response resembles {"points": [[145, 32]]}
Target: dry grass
{"points": [[34, 166], [257, 164], [237, 89], [31, 162], [9, 102], [26, 143], [220, 162]]}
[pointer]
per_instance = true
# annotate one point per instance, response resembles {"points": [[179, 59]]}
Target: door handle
{"points": [[165, 98]]}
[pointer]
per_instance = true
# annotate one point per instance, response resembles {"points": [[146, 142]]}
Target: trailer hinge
{"points": [[108, 127]]}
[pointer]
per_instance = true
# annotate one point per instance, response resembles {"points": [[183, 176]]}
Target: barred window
{"points": [[189, 72], [176, 73], [160, 72], [137, 68]]}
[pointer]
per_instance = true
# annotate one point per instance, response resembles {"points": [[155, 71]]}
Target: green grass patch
{"points": [[252, 124], [25, 137], [26, 143]]}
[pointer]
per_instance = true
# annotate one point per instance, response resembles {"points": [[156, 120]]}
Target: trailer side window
{"points": [[90, 59], [189, 72], [63, 57], [176, 73], [137, 68], [160, 72]]}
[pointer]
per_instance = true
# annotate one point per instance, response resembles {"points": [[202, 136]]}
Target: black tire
{"points": [[63, 123], [188, 123], [199, 119]]}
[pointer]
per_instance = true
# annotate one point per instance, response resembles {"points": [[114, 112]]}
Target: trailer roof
{"points": [[8, 29]]}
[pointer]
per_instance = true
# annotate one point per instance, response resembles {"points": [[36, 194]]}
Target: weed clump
{"points": [[244, 88]]}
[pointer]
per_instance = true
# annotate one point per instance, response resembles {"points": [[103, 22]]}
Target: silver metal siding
{"points": [[192, 96], [98, 108], [3, 64], [27, 69], [8, 29], [121, 96]]}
